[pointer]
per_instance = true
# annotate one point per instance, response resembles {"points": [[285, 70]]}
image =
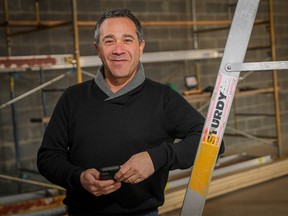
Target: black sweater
{"points": [[85, 131]]}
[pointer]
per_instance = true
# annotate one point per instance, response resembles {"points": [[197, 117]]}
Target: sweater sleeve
{"points": [[185, 123], [53, 155]]}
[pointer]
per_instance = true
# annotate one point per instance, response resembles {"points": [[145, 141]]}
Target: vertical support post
{"points": [[7, 29], [195, 42], [12, 88], [43, 96], [219, 109], [194, 27], [37, 13], [275, 80], [76, 41], [14, 120]]}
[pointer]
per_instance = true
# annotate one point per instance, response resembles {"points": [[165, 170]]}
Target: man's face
{"points": [[119, 48]]}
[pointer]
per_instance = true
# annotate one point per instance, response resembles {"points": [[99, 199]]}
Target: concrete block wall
{"points": [[158, 38]]}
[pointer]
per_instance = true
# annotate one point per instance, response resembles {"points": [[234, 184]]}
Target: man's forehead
{"points": [[118, 26], [117, 20]]}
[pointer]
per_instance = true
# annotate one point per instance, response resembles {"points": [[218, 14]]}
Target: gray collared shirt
{"points": [[137, 80]]}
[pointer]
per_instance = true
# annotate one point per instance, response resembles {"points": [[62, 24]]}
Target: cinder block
{"points": [[7, 153]]}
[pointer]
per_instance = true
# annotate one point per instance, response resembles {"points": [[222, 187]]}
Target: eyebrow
{"points": [[128, 35], [124, 36], [108, 36]]}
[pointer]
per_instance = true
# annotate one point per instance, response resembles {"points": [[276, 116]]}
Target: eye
{"points": [[108, 42], [128, 41]]}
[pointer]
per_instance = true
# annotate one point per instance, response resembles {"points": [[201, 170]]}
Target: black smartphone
{"points": [[107, 173]]}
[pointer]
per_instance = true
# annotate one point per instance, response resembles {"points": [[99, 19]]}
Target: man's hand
{"points": [[138, 168], [90, 180]]}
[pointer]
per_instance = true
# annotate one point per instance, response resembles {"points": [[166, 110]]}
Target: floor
{"points": [[265, 199]]}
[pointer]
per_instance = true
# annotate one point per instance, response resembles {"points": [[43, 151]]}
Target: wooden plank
{"points": [[230, 183], [253, 92], [32, 205], [205, 96]]}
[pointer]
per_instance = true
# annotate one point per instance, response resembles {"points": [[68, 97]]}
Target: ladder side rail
{"points": [[219, 108]]}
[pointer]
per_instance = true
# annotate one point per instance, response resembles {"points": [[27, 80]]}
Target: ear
{"points": [[142, 45], [96, 48]]}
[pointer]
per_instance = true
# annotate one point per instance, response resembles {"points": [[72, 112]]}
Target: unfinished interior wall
{"points": [[59, 40]]}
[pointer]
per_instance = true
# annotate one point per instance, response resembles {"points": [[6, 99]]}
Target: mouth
{"points": [[118, 60]]}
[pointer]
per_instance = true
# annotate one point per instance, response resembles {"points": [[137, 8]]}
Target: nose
{"points": [[118, 48]]}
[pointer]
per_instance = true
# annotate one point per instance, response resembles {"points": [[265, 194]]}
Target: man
{"points": [[120, 118]]}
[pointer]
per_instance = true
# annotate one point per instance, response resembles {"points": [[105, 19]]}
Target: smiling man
{"points": [[120, 51], [119, 118]]}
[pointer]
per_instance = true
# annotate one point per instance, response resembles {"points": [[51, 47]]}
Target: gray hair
{"points": [[118, 13]]}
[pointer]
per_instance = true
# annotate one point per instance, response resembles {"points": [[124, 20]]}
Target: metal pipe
{"points": [[179, 23], [43, 97], [39, 28], [43, 94], [275, 81], [257, 22], [22, 197], [51, 23], [7, 30], [194, 27], [12, 90], [195, 42], [248, 135], [11, 178], [76, 41], [28, 23], [33, 90], [88, 74], [219, 171], [14, 120]]}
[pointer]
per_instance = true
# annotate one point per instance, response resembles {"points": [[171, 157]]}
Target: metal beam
{"points": [[257, 66]]}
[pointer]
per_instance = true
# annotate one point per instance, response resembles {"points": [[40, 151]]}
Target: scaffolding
{"points": [[76, 62]]}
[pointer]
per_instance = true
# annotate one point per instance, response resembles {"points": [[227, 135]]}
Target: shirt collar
{"points": [[137, 80]]}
